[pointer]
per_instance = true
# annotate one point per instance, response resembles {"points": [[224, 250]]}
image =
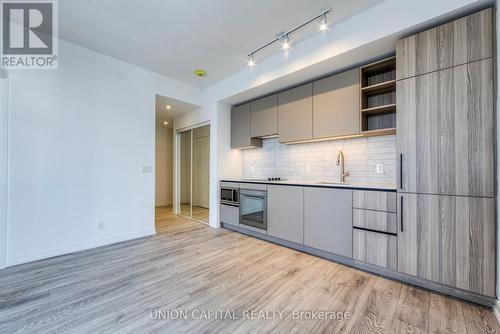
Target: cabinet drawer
{"points": [[374, 200], [375, 248], [375, 220], [230, 214], [253, 186], [229, 184]]}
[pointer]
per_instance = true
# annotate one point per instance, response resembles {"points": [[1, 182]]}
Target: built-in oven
{"points": [[229, 196], [253, 208]]}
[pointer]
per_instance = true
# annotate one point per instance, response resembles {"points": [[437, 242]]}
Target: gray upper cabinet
{"points": [[448, 239], [458, 42], [446, 133], [264, 116], [286, 213], [295, 114], [336, 105], [328, 220], [240, 128]]}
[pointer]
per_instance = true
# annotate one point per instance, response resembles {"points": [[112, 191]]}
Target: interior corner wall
{"points": [[163, 166], [4, 121]]}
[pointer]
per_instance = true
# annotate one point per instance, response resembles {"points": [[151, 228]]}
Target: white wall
{"points": [[4, 120], [78, 139], [164, 166]]}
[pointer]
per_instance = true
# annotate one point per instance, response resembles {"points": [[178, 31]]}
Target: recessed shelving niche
{"points": [[378, 97]]}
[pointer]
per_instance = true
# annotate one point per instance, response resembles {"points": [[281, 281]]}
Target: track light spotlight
{"points": [[323, 24], [251, 61], [285, 42]]}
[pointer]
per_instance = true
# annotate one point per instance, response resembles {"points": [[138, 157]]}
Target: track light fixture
{"points": [[283, 37]]}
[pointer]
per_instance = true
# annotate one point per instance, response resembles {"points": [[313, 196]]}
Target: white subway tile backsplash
{"points": [[318, 160]]}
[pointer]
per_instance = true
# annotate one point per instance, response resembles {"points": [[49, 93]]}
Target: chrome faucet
{"points": [[340, 162]]}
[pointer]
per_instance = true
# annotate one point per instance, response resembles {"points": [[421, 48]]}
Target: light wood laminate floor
{"points": [[189, 266]]}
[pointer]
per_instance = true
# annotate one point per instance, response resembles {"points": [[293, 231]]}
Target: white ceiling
{"points": [[176, 108], [174, 38]]}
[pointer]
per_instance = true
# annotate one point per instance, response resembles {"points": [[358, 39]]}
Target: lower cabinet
{"points": [[285, 217], [448, 239], [230, 214], [375, 248], [328, 220]]}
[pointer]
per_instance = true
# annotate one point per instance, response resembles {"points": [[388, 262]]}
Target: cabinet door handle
{"points": [[401, 171], [401, 214]]}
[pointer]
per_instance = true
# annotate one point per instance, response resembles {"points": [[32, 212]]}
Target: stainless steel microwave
{"points": [[229, 196]]}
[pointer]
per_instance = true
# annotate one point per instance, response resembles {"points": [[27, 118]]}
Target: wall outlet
{"points": [[100, 226], [308, 169], [380, 168]]}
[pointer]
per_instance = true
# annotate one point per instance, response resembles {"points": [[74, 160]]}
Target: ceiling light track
{"points": [[284, 36]]}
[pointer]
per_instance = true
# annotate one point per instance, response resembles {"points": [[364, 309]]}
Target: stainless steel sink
{"points": [[334, 183]]}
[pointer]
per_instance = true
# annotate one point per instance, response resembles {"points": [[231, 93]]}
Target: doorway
{"points": [[194, 173]]}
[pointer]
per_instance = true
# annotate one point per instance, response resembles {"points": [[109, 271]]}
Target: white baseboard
{"points": [[58, 251], [162, 204], [496, 310]]}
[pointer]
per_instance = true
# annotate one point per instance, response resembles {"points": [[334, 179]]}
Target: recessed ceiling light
{"points": [[200, 73], [168, 107]]}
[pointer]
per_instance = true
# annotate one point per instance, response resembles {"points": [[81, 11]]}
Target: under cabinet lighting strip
{"points": [[325, 12]]}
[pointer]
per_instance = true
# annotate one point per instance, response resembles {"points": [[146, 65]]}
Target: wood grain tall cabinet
{"points": [[445, 146]]}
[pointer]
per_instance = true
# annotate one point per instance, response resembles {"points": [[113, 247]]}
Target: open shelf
{"points": [[378, 97], [388, 108], [379, 88], [380, 132]]}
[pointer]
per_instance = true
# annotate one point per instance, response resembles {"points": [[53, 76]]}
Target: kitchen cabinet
{"points": [[374, 200], [328, 220], [375, 248], [375, 220], [229, 214], [448, 239], [240, 128], [461, 41], [264, 116], [336, 105], [286, 213], [295, 114], [446, 131]]}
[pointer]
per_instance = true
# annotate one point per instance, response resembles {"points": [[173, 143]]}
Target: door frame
{"points": [[4, 146], [177, 174]]}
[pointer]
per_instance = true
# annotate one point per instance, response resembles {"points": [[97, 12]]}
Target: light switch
{"points": [[147, 169], [380, 168]]}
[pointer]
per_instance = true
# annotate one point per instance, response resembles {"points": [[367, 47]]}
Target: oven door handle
{"points": [[253, 196]]}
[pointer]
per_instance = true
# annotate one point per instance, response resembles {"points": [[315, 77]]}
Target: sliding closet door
{"points": [[201, 171], [185, 173]]}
